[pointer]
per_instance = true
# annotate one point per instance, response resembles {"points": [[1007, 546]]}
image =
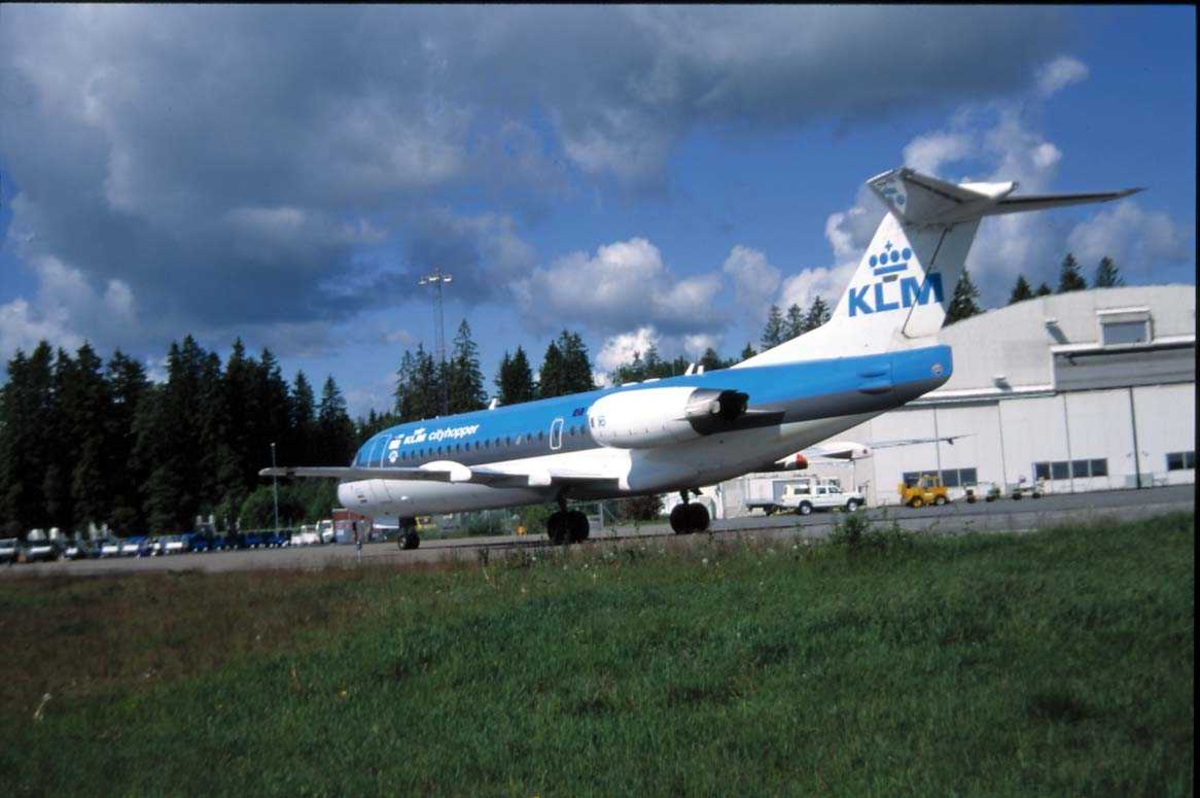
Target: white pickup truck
{"points": [[804, 498]]}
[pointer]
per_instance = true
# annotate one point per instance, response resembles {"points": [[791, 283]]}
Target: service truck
{"points": [[801, 495]]}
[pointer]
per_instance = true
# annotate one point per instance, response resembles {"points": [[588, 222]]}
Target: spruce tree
{"points": [[85, 408], [514, 379], [1043, 290], [774, 331], [962, 304], [1069, 277], [747, 352], [818, 314], [335, 431], [712, 361], [465, 380], [551, 379], [127, 386], [797, 322], [303, 421], [577, 367], [1021, 291], [1108, 275]]}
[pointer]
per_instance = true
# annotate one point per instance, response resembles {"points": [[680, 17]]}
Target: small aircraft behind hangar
{"points": [[877, 351]]}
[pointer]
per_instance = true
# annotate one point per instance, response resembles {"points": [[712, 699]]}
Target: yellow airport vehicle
{"points": [[928, 489]]}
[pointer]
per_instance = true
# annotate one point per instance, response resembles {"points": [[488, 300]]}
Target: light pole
{"points": [[437, 280], [275, 486]]}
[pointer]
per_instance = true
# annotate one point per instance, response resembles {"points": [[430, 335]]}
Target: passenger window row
{"points": [[488, 444]]}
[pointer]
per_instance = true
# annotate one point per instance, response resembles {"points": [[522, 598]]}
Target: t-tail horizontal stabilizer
{"points": [[900, 293], [921, 200]]}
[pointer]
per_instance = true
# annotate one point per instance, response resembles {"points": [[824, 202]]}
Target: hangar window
{"points": [[1124, 326], [1068, 469], [1181, 461]]}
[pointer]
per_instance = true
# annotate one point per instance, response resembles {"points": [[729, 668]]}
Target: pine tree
{"points": [[303, 421], [551, 380], [773, 332], [797, 322], [127, 387], [1043, 290], [85, 408], [1108, 275], [1070, 278], [962, 304], [818, 314], [1021, 291], [335, 431], [514, 379], [712, 361], [577, 367], [464, 379], [747, 353]]}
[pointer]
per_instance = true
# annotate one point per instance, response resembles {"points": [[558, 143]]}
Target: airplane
{"points": [[878, 351]]}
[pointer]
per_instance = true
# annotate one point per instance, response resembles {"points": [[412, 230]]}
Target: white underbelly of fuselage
{"points": [[661, 470]]}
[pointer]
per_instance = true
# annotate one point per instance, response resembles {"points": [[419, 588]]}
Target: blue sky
{"points": [[637, 174]]}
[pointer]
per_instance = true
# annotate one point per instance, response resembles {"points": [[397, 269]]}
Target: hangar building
{"points": [[1089, 390]]}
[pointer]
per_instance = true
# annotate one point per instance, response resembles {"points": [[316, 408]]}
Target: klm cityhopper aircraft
{"points": [[877, 351]]}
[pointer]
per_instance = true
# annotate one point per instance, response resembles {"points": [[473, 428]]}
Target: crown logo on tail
{"points": [[891, 260]]}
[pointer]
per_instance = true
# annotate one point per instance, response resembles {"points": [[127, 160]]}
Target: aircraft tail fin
{"points": [[902, 289]]}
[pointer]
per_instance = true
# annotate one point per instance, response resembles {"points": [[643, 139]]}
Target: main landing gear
{"points": [[687, 518], [567, 526], [408, 537]]}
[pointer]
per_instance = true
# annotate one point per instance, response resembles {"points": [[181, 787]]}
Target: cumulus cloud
{"points": [[229, 163], [1060, 73], [621, 348], [929, 152], [620, 286], [755, 280], [65, 303], [1134, 238]]}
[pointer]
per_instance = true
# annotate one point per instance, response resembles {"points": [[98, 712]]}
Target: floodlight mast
{"points": [[437, 280]]}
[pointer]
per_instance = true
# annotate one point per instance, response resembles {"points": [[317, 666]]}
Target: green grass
{"points": [[1050, 663]]}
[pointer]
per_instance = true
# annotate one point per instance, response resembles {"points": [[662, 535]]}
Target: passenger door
{"points": [[556, 429]]}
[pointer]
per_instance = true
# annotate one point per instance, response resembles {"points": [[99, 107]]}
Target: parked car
{"points": [[196, 542], [78, 549], [109, 547], [806, 498], [35, 550], [9, 549], [279, 539], [307, 536]]}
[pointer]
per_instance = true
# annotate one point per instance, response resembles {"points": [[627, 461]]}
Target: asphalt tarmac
{"points": [[1003, 515]]}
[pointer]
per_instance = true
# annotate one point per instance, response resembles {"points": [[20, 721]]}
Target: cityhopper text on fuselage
{"points": [[878, 350]]}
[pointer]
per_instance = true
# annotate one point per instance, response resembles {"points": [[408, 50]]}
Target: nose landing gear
{"points": [[408, 538], [687, 518]]}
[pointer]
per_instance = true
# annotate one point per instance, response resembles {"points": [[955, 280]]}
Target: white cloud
{"points": [[1134, 238], [826, 282], [929, 152], [755, 280], [622, 285], [1060, 73], [619, 349], [67, 311]]}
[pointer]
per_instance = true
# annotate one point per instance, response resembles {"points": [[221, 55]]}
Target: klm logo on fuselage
{"points": [[893, 290]]}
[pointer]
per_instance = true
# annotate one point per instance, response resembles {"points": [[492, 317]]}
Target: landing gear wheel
{"points": [[557, 528], [578, 526], [679, 519], [698, 517], [408, 540]]}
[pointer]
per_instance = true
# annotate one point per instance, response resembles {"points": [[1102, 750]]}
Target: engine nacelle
{"points": [[649, 417]]}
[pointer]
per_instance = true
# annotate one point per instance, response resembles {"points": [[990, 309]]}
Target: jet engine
{"points": [[649, 417]]}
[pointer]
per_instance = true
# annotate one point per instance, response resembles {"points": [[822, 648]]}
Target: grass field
{"points": [[1050, 663]]}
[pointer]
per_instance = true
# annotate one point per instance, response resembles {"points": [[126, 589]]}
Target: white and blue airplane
{"points": [[878, 351]]}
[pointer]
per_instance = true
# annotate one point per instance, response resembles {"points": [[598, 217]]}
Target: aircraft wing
{"points": [[849, 450], [451, 472]]}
